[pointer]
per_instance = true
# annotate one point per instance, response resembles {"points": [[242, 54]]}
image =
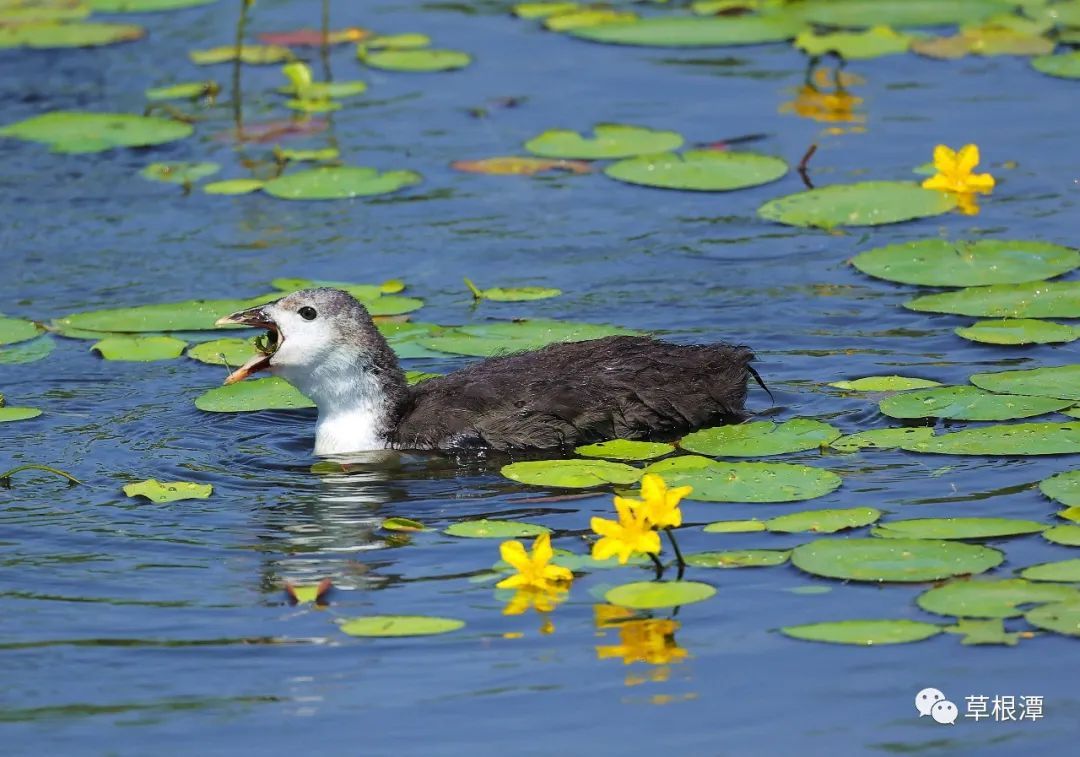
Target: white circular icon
{"points": [[926, 699], [945, 712]]}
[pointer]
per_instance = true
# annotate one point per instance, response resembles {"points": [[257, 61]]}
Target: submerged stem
{"points": [[5, 477], [658, 565], [678, 553]]}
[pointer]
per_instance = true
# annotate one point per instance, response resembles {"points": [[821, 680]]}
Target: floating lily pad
{"points": [[717, 481], [189, 315], [693, 32], [823, 521], [1064, 66], [967, 403], [255, 55], [495, 529], [884, 384], [13, 330], [1004, 440], [230, 351], [168, 491], [512, 294], [989, 631], [27, 352], [179, 173], [608, 141], [1040, 299], [882, 438], [866, 633], [699, 170], [575, 474], [872, 43], [739, 558], [626, 449], [957, 528], [423, 60], [986, 41], [143, 6], [1019, 331], [233, 187], [507, 337], [901, 560], [1064, 487], [937, 262], [183, 91], [1066, 536], [328, 90], [338, 183], [10, 413], [520, 166], [544, 9], [577, 19], [863, 13], [49, 35], [871, 203], [1066, 571], [408, 41], [319, 155], [251, 395], [579, 563], [140, 349], [34, 11], [379, 626], [70, 131], [402, 524], [1062, 382], [760, 438], [652, 595], [1059, 617], [990, 598], [734, 527]]}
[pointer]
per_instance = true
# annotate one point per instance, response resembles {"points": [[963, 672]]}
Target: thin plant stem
{"points": [[5, 477], [658, 565], [324, 45], [238, 99], [678, 553]]}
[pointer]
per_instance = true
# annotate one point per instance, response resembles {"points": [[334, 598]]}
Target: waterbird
{"points": [[325, 343]]}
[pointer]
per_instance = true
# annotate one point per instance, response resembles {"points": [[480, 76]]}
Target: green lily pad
{"points": [[254, 394], [865, 633], [68, 131], [991, 631], [739, 558], [872, 43], [49, 35], [381, 626], [512, 294], [882, 438], [168, 491], [495, 529], [990, 597], [967, 403], [1070, 513], [1065, 571], [13, 330], [1059, 617], [884, 384], [585, 563], [717, 481], [1066, 536], [626, 449], [900, 560], [560, 22], [140, 349], [1064, 66], [362, 292], [189, 315], [608, 141], [230, 351], [699, 170], [957, 528], [652, 595], [1039, 299], [734, 527], [253, 55], [319, 155], [27, 352], [1019, 331], [328, 90], [823, 521], [143, 6], [1063, 487], [1005, 440], [338, 183], [863, 13], [575, 474], [10, 413], [408, 41], [940, 263], [179, 173], [760, 438], [419, 60], [34, 11], [1061, 382], [402, 524], [191, 90], [544, 9], [507, 337], [233, 187], [693, 32], [871, 203]]}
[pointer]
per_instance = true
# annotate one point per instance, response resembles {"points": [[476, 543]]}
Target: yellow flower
{"points": [[299, 75], [662, 503], [632, 533], [954, 171], [541, 600], [533, 570], [651, 640]]}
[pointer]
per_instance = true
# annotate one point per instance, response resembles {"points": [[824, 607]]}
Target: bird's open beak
{"points": [[259, 318]]}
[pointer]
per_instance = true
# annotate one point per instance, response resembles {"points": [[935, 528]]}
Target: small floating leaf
{"points": [[519, 166], [423, 60], [872, 43], [140, 349], [884, 384], [495, 529], [233, 187], [608, 141], [69, 131], [1018, 331], [338, 182], [1066, 536], [303, 594], [1067, 571], [699, 170], [143, 6], [626, 449], [694, 32], [14, 330], [402, 524], [1062, 382], [870, 203], [882, 438], [734, 527], [575, 474], [512, 294], [505, 337], [251, 395], [1059, 617], [1063, 487], [651, 595], [189, 315], [760, 438], [739, 558], [183, 91], [866, 633], [863, 13], [178, 172], [10, 413], [901, 560], [957, 528], [1039, 299], [48, 35], [967, 403], [251, 54], [27, 352], [223, 351], [991, 631], [822, 521], [400, 625], [168, 491], [1064, 66], [328, 90], [1004, 440], [717, 481]]}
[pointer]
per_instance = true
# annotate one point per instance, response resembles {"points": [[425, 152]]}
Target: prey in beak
{"points": [[267, 344]]}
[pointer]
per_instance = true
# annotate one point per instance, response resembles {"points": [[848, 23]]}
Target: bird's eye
{"points": [[307, 313]]}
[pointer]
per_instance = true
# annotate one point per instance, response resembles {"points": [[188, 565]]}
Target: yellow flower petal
{"points": [[649, 543], [515, 581], [981, 182], [652, 487], [557, 573], [514, 553], [541, 551], [967, 159], [944, 159], [605, 527], [675, 496], [605, 548], [938, 181]]}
